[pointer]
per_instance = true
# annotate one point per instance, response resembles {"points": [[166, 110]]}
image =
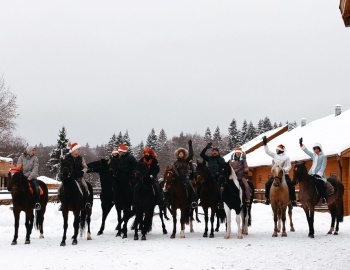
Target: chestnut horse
{"points": [[23, 200], [309, 197], [209, 195], [279, 196], [178, 199], [73, 200]]}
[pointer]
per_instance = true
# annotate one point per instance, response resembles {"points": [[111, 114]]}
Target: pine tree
{"points": [[61, 150], [162, 138], [232, 134], [251, 132], [280, 124], [139, 150], [260, 128], [275, 125], [127, 142], [152, 140], [119, 139], [244, 132], [207, 135], [267, 124], [217, 137], [112, 143]]}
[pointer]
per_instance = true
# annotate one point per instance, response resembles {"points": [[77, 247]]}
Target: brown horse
{"points": [[23, 200], [279, 195], [209, 196], [72, 200], [178, 199], [309, 197]]}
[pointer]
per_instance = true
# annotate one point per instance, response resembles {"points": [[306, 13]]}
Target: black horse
{"points": [[72, 199], [144, 200], [23, 200], [106, 196]]}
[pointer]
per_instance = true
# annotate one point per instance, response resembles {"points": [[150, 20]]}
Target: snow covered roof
{"points": [[254, 142], [48, 180], [332, 132], [6, 159]]}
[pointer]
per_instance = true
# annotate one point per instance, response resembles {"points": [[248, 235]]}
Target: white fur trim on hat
{"points": [[29, 148], [75, 147], [280, 148], [317, 145]]}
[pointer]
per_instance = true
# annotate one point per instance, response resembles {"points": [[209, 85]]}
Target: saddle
{"points": [[329, 189], [41, 192]]}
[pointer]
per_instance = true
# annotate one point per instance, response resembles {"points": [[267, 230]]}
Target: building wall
{"points": [[345, 163]]}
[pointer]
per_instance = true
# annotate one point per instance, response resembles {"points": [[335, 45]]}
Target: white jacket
{"points": [[279, 158]]}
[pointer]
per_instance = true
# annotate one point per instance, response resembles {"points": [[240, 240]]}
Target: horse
{"points": [[144, 200], [309, 197], [209, 195], [232, 197], [178, 199], [23, 200], [279, 196], [72, 199], [106, 196]]}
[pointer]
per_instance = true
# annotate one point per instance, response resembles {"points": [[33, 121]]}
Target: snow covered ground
{"points": [[258, 250]]}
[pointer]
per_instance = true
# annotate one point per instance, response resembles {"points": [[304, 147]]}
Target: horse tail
{"points": [[221, 214], [149, 221], [340, 217], [82, 222]]}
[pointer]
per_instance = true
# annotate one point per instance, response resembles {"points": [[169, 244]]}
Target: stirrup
{"points": [[88, 205], [267, 202], [323, 201], [37, 206], [294, 203], [194, 204]]}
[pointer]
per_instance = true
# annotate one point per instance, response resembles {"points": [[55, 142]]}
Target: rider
{"points": [[150, 159], [126, 165], [239, 164], [79, 168], [181, 164], [113, 162], [319, 163], [30, 167], [279, 157]]}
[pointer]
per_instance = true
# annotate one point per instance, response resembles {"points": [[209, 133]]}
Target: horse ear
{"points": [[282, 165]]}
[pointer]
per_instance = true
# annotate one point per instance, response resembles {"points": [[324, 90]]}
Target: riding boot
{"points": [[191, 195], [158, 191], [35, 186], [321, 187], [267, 191], [291, 189], [86, 201]]}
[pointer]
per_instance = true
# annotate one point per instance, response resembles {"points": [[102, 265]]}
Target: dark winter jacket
{"points": [[126, 167], [153, 168], [213, 162], [182, 164], [113, 164], [79, 166]]}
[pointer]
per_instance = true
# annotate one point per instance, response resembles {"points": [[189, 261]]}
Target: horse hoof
{"points": [[335, 233], [284, 234], [182, 236], [211, 235], [143, 238], [292, 229], [27, 242], [226, 237], [198, 220], [89, 237], [274, 235], [124, 236], [172, 236], [217, 229], [205, 235], [41, 236], [240, 237], [191, 231], [100, 232], [14, 243], [118, 235], [165, 231], [311, 235], [136, 237], [63, 244], [74, 242]]}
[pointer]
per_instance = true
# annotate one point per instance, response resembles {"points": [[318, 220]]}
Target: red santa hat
{"points": [[122, 148], [74, 146], [115, 150], [281, 147]]}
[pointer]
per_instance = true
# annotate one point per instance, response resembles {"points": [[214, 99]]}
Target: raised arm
{"points": [[190, 151], [203, 155]]}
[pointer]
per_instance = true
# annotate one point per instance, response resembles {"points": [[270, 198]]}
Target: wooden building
{"points": [[345, 11], [4, 170], [331, 131]]}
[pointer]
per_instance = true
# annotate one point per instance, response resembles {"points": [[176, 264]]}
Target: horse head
{"points": [[170, 176], [17, 178], [141, 172], [299, 172], [66, 170], [277, 173], [202, 172]]}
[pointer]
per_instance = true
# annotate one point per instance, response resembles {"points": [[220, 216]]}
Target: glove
{"points": [[301, 141], [190, 142], [209, 145], [264, 140]]}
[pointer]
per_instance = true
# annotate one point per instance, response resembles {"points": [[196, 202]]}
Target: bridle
{"points": [[279, 178], [169, 179]]}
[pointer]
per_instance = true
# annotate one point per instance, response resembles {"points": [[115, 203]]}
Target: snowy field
{"points": [[258, 250]]}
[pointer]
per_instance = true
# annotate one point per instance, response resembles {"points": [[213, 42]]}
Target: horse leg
{"points": [[310, 220], [238, 222], [339, 205], [332, 210], [136, 225], [120, 220], [205, 209], [284, 234], [275, 219], [65, 226], [191, 222], [182, 223], [228, 221], [212, 218], [197, 218], [162, 220], [127, 215], [29, 226], [106, 208], [41, 222], [76, 227], [16, 214], [290, 209], [217, 224], [174, 223], [88, 221]]}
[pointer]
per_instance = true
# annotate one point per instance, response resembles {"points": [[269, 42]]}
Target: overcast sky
{"points": [[99, 67]]}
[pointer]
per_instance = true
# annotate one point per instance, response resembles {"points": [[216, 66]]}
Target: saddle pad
{"points": [[41, 192], [329, 189]]}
